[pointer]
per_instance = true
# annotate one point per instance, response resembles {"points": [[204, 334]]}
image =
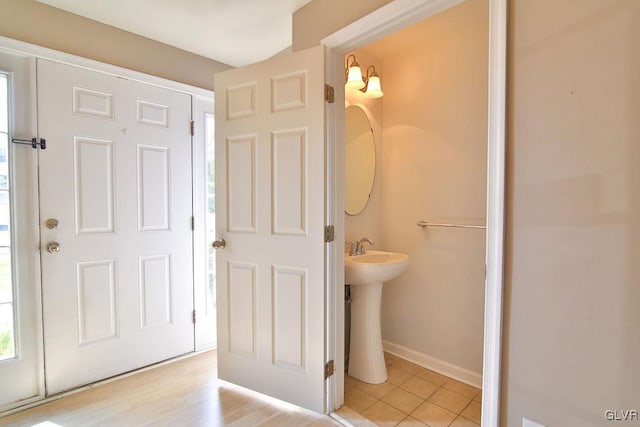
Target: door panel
{"points": [[270, 210], [116, 174], [20, 327]]}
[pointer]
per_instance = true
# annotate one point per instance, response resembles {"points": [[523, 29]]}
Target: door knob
{"points": [[52, 223], [53, 247], [219, 244]]}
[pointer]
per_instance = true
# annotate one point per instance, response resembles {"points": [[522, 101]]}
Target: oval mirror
{"points": [[359, 159]]}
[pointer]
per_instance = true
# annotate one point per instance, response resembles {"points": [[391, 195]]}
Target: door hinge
{"points": [[328, 369], [329, 233], [192, 127], [329, 93], [193, 316], [193, 223]]}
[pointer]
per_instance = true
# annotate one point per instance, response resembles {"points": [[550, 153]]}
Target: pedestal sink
{"points": [[366, 273]]}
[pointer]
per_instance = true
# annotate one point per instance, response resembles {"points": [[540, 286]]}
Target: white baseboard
{"points": [[445, 368]]}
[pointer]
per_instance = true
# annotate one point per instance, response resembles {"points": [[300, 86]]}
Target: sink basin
{"points": [[368, 272], [374, 267]]}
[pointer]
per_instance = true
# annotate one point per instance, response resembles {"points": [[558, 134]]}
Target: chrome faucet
{"points": [[357, 248]]}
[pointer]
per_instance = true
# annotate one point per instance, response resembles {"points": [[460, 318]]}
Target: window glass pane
{"points": [[5, 233], [211, 167], [6, 331], [4, 161], [4, 104], [6, 292], [7, 347]]}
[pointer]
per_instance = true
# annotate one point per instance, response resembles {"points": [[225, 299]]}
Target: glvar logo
{"points": [[621, 415]]}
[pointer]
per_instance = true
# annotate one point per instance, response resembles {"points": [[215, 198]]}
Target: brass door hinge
{"points": [[328, 369], [329, 93], [193, 223], [329, 233], [194, 316], [192, 127]]}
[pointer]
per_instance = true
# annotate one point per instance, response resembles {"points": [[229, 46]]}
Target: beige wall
{"points": [[368, 222], [435, 156], [572, 322], [39, 24], [320, 18], [572, 269]]}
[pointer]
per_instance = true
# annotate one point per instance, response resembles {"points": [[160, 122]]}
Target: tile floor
{"points": [[412, 396]]}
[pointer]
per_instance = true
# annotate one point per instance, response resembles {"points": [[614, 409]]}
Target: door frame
{"points": [[388, 19], [199, 169], [35, 51], [34, 231]]}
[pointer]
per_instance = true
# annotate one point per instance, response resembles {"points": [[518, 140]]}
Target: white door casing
{"points": [[117, 176], [24, 372], [389, 18], [270, 166]]}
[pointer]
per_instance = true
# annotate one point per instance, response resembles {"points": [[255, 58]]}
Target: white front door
{"points": [[117, 268], [20, 333], [270, 198]]}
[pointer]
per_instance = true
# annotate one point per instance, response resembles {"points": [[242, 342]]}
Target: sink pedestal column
{"points": [[366, 358]]}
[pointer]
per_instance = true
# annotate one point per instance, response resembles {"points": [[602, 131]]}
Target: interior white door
{"points": [[117, 267], [270, 152], [21, 366]]}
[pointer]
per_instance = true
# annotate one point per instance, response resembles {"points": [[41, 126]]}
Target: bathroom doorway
{"points": [[429, 129], [432, 167]]}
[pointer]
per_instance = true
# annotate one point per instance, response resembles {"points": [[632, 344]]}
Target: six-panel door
{"points": [[116, 175], [270, 167]]}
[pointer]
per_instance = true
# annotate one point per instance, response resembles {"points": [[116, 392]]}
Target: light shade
{"points": [[374, 89], [354, 78]]}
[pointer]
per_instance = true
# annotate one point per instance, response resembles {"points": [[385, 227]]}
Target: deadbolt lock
{"points": [[52, 223]]}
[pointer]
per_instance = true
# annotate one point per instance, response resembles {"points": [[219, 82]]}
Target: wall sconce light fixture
{"points": [[353, 74], [370, 85]]}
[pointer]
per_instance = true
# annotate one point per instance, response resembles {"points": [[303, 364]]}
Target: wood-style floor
{"points": [[183, 393]]}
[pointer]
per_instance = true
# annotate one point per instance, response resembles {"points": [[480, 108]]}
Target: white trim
{"points": [[334, 215], [383, 21], [21, 249], [495, 213], [386, 20], [445, 368], [24, 48]]}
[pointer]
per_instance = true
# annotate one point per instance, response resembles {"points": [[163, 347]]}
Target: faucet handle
{"points": [[353, 247]]}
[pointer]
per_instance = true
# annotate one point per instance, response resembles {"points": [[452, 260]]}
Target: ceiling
{"points": [[235, 32]]}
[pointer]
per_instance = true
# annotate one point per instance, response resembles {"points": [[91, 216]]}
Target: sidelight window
{"points": [[7, 292], [211, 212]]}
